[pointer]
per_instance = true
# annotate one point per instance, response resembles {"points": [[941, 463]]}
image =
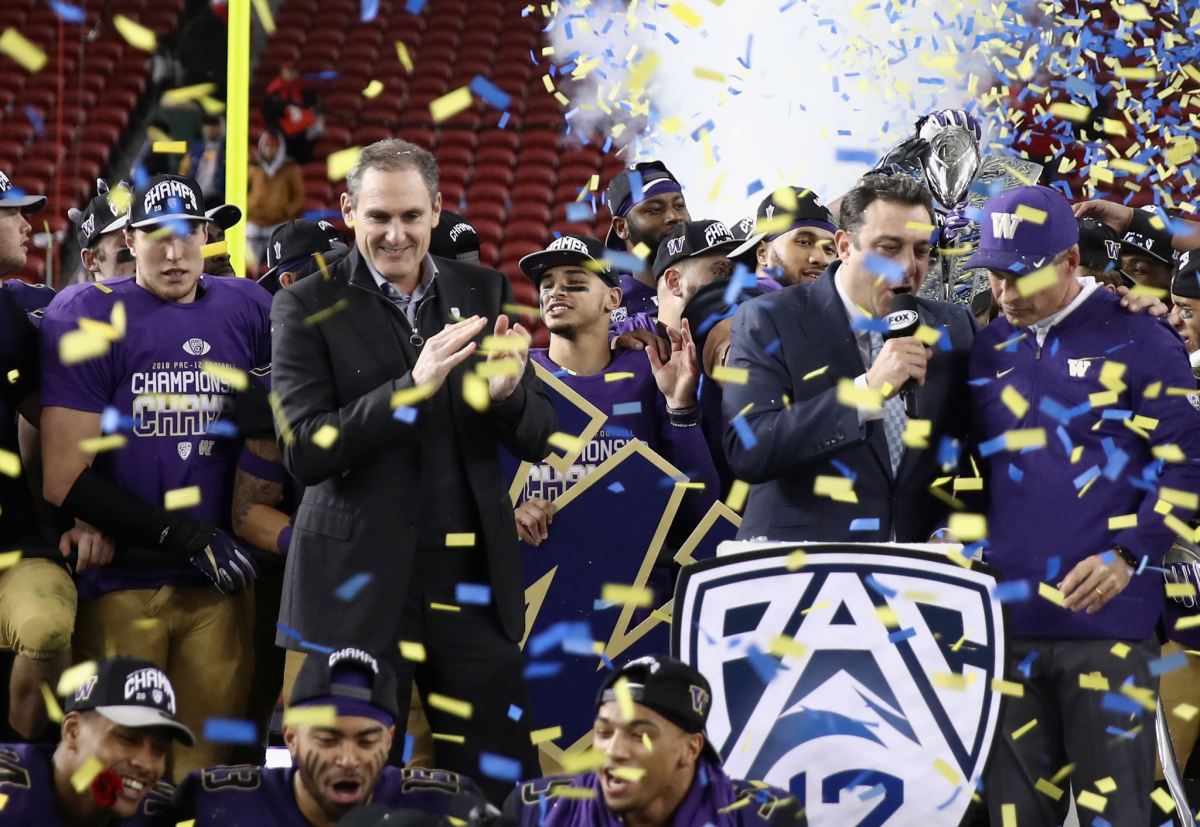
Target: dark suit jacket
{"points": [[784, 336], [340, 350]]}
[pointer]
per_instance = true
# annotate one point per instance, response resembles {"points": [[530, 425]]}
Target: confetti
{"points": [[319, 716], [460, 540], [1024, 729], [403, 56], [24, 52], [1037, 281], [1106, 785], [80, 345], [476, 392], [339, 163], [325, 436], [214, 249], [53, 710], [461, 709], [262, 8], [624, 699], [634, 774], [1015, 690], [350, 589], [473, 594], [83, 777], [169, 147], [1050, 593], [234, 377], [182, 498], [735, 376], [450, 104], [637, 596], [1093, 680], [1163, 799], [72, 678], [968, 527], [565, 442], [373, 89], [541, 736], [135, 34], [1046, 788]]}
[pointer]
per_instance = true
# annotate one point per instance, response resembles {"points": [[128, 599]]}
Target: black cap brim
{"points": [[144, 717], [535, 265], [225, 216], [166, 219], [27, 204], [1131, 249]]}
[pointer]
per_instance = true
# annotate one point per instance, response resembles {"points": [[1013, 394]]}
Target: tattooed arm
{"points": [[255, 518]]}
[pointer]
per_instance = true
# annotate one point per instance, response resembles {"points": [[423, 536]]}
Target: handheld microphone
{"points": [[904, 321]]}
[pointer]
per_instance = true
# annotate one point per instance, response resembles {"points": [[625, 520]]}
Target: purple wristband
{"points": [[264, 469], [284, 539]]}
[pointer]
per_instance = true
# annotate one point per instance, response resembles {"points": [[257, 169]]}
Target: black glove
{"points": [[908, 154], [221, 560]]}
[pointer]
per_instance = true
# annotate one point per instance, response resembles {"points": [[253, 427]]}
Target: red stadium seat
{"points": [[497, 155], [528, 231], [489, 255], [497, 193], [530, 211], [493, 173], [498, 137], [12, 150], [532, 191], [485, 211], [452, 194], [489, 231], [458, 137], [366, 135], [425, 138], [449, 155]]}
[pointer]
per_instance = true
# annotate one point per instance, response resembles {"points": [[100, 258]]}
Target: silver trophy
{"points": [[950, 168]]}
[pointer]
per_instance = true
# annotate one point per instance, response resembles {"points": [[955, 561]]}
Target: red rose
{"points": [[106, 787]]}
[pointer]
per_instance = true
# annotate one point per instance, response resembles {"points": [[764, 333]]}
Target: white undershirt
{"points": [[1041, 327]]}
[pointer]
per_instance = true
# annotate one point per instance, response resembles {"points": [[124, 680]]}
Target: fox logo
{"points": [[1078, 367], [1004, 225]]}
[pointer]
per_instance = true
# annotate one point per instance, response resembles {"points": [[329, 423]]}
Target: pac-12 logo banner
{"points": [[860, 680]]}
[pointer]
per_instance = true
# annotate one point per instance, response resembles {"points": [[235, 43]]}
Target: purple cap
{"points": [[1012, 238]]}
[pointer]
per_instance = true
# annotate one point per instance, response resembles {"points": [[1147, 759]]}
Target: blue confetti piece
{"points": [[222, 427], [874, 792], [707, 126], [901, 634], [626, 408], [878, 587], [613, 430], [1052, 567], [316, 647], [992, 446], [579, 645], [514, 712], [474, 594], [948, 451], [1116, 413], [499, 767], [765, 665], [289, 631], [409, 740], [636, 187], [745, 434], [68, 13], [601, 605], [35, 120], [579, 211], [1168, 664], [1101, 821], [503, 122], [110, 420], [542, 670], [1086, 477], [617, 488], [864, 524], [1061, 413], [405, 413], [230, 731], [980, 382], [1108, 558], [1024, 666], [323, 215], [414, 6], [353, 586], [1012, 591], [490, 92], [370, 8], [856, 156], [844, 470], [1120, 733], [1015, 473], [753, 187], [892, 271], [623, 262]]}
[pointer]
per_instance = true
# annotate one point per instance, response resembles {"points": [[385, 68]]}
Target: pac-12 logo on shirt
{"points": [[196, 347], [184, 449]]}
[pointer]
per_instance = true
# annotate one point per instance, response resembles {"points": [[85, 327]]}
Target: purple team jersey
{"points": [[152, 378], [251, 796], [27, 778], [639, 307], [636, 410]]}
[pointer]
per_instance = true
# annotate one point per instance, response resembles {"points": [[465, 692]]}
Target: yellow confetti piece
{"points": [[403, 56], [1134, 13], [450, 104], [1163, 799], [1180, 590], [950, 680], [618, 376], [475, 392], [1169, 452], [1185, 711], [1052, 594], [968, 483], [445, 607], [956, 556], [541, 736], [100, 444], [634, 774], [135, 34], [452, 706], [916, 433], [617, 593], [466, 540], [373, 89], [709, 74], [946, 771], [1008, 812], [1093, 680], [646, 743], [823, 605], [1037, 281], [1106, 785], [214, 249], [1017, 733], [738, 492], [53, 710], [504, 344], [1070, 111], [339, 164], [412, 650], [1013, 400], [236, 378], [1187, 622], [23, 51], [1031, 214], [782, 646], [920, 225], [1122, 521], [498, 367], [1183, 499], [8, 559], [685, 15], [565, 442], [1020, 439], [1045, 787], [813, 373], [1015, 690], [319, 716], [852, 396], [589, 759], [624, 699], [735, 376], [454, 739], [80, 345], [169, 147], [263, 9], [586, 793], [325, 436], [968, 527], [1146, 423], [840, 489], [1102, 398], [796, 560], [887, 616], [86, 774], [182, 94], [928, 336], [3, 800], [1091, 801], [182, 498], [411, 396]]}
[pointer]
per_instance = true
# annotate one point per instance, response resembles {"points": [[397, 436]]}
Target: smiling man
{"points": [[659, 768], [793, 238], [821, 395], [116, 736], [339, 728]]}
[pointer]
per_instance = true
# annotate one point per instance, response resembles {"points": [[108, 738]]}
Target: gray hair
{"points": [[897, 189], [394, 155]]}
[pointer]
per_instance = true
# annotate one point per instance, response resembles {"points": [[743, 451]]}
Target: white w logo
{"points": [[1078, 367], [1004, 224], [674, 246]]}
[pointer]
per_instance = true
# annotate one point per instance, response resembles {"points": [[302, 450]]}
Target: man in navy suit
{"points": [[822, 391]]}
